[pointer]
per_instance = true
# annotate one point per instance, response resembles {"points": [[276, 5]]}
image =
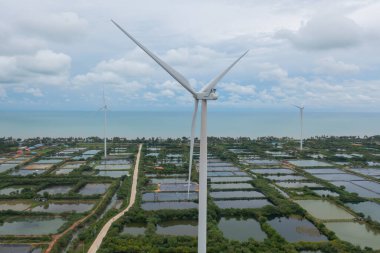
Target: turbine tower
{"points": [[105, 109], [301, 124], [205, 94]]}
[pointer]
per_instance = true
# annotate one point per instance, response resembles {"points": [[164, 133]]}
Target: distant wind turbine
{"points": [[206, 93], [105, 109], [301, 124]]}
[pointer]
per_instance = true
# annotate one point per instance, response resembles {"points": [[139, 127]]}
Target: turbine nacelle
{"points": [[211, 95]]}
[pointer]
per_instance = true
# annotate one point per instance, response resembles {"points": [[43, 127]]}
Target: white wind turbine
{"points": [[301, 107], [206, 93], [105, 109]]}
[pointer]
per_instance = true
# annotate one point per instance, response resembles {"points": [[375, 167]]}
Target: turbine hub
{"points": [[208, 95]]}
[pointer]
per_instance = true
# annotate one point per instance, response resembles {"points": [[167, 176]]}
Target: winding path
{"points": [[103, 232]]}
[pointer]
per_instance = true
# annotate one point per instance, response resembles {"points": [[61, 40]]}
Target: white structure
{"points": [[301, 124], [206, 93], [105, 109]]}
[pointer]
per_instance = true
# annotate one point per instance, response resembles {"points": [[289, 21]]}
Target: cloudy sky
{"points": [[57, 55]]}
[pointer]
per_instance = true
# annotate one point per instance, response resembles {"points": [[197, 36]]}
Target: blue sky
{"points": [[57, 55]]}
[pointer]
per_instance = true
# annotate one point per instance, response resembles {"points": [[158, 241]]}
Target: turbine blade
{"points": [[212, 84], [193, 123], [176, 75], [299, 107]]}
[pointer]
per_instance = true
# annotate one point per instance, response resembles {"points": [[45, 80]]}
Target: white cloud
{"points": [[36, 92], [328, 31], [330, 66], [238, 89]]}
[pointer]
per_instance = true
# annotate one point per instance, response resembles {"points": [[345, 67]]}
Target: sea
{"points": [[133, 124]]}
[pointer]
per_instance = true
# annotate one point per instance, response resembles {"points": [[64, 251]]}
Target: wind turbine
{"points": [[301, 124], [205, 94], [105, 109]]}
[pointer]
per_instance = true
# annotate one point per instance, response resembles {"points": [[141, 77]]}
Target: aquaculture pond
{"points": [[326, 193], [27, 172], [370, 185], [241, 230], [63, 171], [115, 162], [71, 165], [355, 233], [90, 189], [226, 173], [309, 163], [168, 205], [134, 229], [19, 248], [56, 189], [296, 229], [262, 162], [178, 228], [169, 196], [252, 203], [14, 205], [368, 208], [272, 171], [231, 186], [338, 177], [11, 190], [113, 167], [236, 194], [324, 209], [112, 173], [31, 226], [368, 172], [63, 207], [168, 180], [362, 192], [324, 171], [212, 169], [298, 184], [177, 187], [6, 166], [285, 177], [229, 179]]}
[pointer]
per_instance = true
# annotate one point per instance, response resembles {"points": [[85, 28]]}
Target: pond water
{"points": [[115, 161], [56, 189], [298, 185], [177, 187], [241, 230], [19, 248], [295, 229], [134, 229], [324, 210], [168, 205], [14, 205], [231, 168], [71, 165], [226, 173], [112, 173], [355, 233], [326, 193], [368, 172], [6, 166], [236, 194], [219, 164], [63, 207], [90, 189], [272, 171], [11, 190], [372, 186], [27, 172], [168, 180], [252, 203], [338, 177], [166, 175], [49, 161], [324, 171], [178, 228], [285, 177], [231, 186], [113, 167], [368, 208], [309, 163], [63, 171], [168, 196], [362, 192], [262, 162], [230, 179], [31, 226]]}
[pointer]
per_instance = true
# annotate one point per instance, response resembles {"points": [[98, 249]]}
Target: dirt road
{"points": [[98, 241]]}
